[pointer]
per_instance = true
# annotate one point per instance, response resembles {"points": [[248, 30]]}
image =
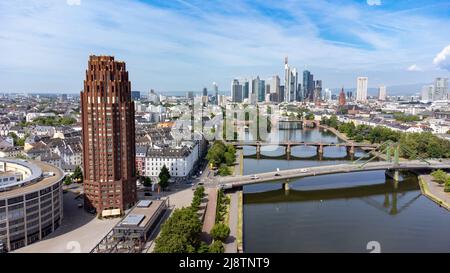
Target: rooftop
{"points": [[36, 181]]}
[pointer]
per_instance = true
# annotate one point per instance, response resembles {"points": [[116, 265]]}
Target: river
{"points": [[339, 212]]}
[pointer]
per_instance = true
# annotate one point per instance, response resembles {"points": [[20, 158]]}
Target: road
{"points": [[236, 181]]}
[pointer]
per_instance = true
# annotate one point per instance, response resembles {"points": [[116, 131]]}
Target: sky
{"points": [[183, 45]]}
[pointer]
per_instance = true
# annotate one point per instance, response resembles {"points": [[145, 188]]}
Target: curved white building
{"points": [[30, 201]]}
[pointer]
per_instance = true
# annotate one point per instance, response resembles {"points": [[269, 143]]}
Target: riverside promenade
{"points": [[210, 216], [434, 191]]}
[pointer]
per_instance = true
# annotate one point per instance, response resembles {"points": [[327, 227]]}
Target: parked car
{"points": [[147, 194], [80, 205]]}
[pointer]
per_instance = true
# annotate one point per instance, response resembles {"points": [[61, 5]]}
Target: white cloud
{"points": [[442, 59], [374, 2], [52, 39], [414, 67], [73, 2]]}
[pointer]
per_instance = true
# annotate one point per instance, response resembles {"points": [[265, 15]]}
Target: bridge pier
{"points": [[286, 186], [287, 151], [320, 150], [258, 151], [394, 174], [350, 150]]}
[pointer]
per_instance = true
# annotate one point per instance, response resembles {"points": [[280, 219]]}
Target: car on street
{"points": [[80, 205], [253, 177], [304, 170]]}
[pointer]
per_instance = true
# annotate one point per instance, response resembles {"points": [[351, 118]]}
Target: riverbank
{"points": [[336, 132], [434, 191]]}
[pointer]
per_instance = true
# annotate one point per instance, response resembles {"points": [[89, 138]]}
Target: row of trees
{"points": [[51, 121], [181, 232], [221, 156], [199, 193], [425, 145], [220, 230], [406, 118]]}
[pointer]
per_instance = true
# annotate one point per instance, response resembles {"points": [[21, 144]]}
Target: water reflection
{"points": [[342, 213]]}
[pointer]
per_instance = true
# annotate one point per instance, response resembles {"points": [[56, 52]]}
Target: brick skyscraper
{"points": [[108, 136]]}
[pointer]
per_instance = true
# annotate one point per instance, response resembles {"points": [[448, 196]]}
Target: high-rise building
{"points": [[440, 89], [290, 82], [236, 91], [205, 92], [261, 90], [382, 92], [153, 97], [317, 90], [275, 84], [349, 95], [342, 100], [308, 86], [327, 94], [427, 92], [361, 89], [216, 93], [135, 95], [258, 89], [109, 172], [245, 89]]}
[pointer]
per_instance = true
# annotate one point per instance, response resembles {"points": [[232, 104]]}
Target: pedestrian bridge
{"points": [[242, 180]]}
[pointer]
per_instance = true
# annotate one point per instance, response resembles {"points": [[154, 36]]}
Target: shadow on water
{"points": [[358, 191]]}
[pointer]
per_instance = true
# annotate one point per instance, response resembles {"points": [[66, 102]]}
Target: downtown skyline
{"points": [[391, 42]]}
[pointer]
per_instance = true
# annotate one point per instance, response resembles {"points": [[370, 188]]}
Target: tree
{"points": [[204, 248], [447, 186], [14, 137], [147, 182], [224, 170], [229, 158], [180, 233], [67, 180], [216, 247], [220, 232], [77, 174], [164, 177], [440, 176]]}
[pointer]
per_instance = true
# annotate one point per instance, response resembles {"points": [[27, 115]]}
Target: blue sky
{"points": [[187, 45]]}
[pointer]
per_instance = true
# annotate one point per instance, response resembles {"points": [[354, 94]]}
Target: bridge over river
{"points": [[350, 146], [286, 175]]}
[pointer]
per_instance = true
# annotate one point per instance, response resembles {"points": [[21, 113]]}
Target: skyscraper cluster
{"points": [[271, 90]]}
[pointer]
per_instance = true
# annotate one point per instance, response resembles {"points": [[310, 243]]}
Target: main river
{"points": [[337, 213]]}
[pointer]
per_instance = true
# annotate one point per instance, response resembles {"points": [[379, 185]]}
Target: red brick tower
{"points": [[109, 172]]}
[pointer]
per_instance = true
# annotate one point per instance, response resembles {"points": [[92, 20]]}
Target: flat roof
{"points": [[41, 184], [133, 219], [143, 214], [144, 203]]}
